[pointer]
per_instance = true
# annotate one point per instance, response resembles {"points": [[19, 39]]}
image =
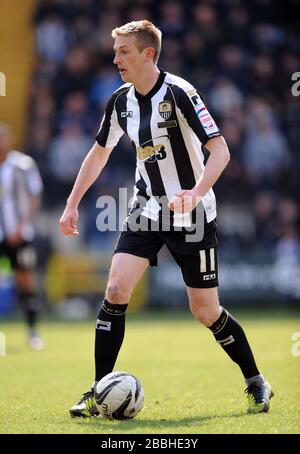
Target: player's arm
{"points": [[90, 170], [186, 200], [107, 138], [219, 157], [201, 122]]}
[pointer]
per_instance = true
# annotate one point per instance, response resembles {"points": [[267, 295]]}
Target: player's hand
{"points": [[184, 201], [68, 221]]}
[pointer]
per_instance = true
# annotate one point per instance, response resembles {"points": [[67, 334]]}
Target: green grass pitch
{"points": [[191, 386]]}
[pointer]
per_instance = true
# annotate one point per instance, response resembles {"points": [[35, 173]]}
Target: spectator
{"points": [[265, 149], [52, 38]]}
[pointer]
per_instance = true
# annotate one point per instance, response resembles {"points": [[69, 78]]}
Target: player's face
{"points": [[128, 58]]}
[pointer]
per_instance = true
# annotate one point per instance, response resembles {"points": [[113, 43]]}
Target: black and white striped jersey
{"points": [[19, 179], [167, 127]]}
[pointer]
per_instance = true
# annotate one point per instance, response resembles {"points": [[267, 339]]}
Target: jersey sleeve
{"points": [[110, 130], [196, 114], [29, 172], [33, 178]]}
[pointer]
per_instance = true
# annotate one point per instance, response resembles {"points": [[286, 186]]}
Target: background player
{"points": [[20, 194]]}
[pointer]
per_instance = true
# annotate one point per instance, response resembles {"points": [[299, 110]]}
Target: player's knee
{"points": [[204, 314], [116, 293], [201, 315]]}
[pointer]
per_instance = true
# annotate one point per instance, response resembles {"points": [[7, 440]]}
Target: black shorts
{"points": [[22, 256], [198, 260]]}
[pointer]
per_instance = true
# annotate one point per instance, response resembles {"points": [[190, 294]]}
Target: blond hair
{"points": [[147, 35]]}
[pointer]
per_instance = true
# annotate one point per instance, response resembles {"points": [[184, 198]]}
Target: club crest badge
{"points": [[165, 109]]}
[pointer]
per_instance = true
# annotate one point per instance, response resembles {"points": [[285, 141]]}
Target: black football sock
{"points": [[230, 335], [29, 305], [110, 329]]}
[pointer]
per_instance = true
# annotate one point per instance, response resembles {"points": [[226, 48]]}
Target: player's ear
{"points": [[150, 53]]}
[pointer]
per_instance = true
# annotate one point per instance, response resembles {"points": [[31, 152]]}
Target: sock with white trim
{"points": [[232, 338], [110, 329]]}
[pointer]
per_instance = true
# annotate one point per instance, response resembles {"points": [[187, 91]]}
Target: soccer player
{"points": [[20, 192], [168, 124]]}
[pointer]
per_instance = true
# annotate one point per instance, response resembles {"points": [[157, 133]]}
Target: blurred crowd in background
{"points": [[239, 54]]}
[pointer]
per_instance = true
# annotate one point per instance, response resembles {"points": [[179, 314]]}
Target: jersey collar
{"points": [[154, 90]]}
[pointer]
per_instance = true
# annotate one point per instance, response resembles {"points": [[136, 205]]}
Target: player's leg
{"points": [[205, 306], [199, 265], [23, 260], [125, 272], [133, 254], [30, 305]]}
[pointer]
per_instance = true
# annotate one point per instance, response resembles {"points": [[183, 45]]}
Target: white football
{"points": [[119, 395]]}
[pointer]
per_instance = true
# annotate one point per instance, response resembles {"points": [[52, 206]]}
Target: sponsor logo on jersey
{"points": [[202, 113], [165, 109], [207, 121], [151, 153], [127, 114]]}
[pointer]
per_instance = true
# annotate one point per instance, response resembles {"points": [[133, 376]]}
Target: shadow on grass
{"points": [[130, 425]]}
